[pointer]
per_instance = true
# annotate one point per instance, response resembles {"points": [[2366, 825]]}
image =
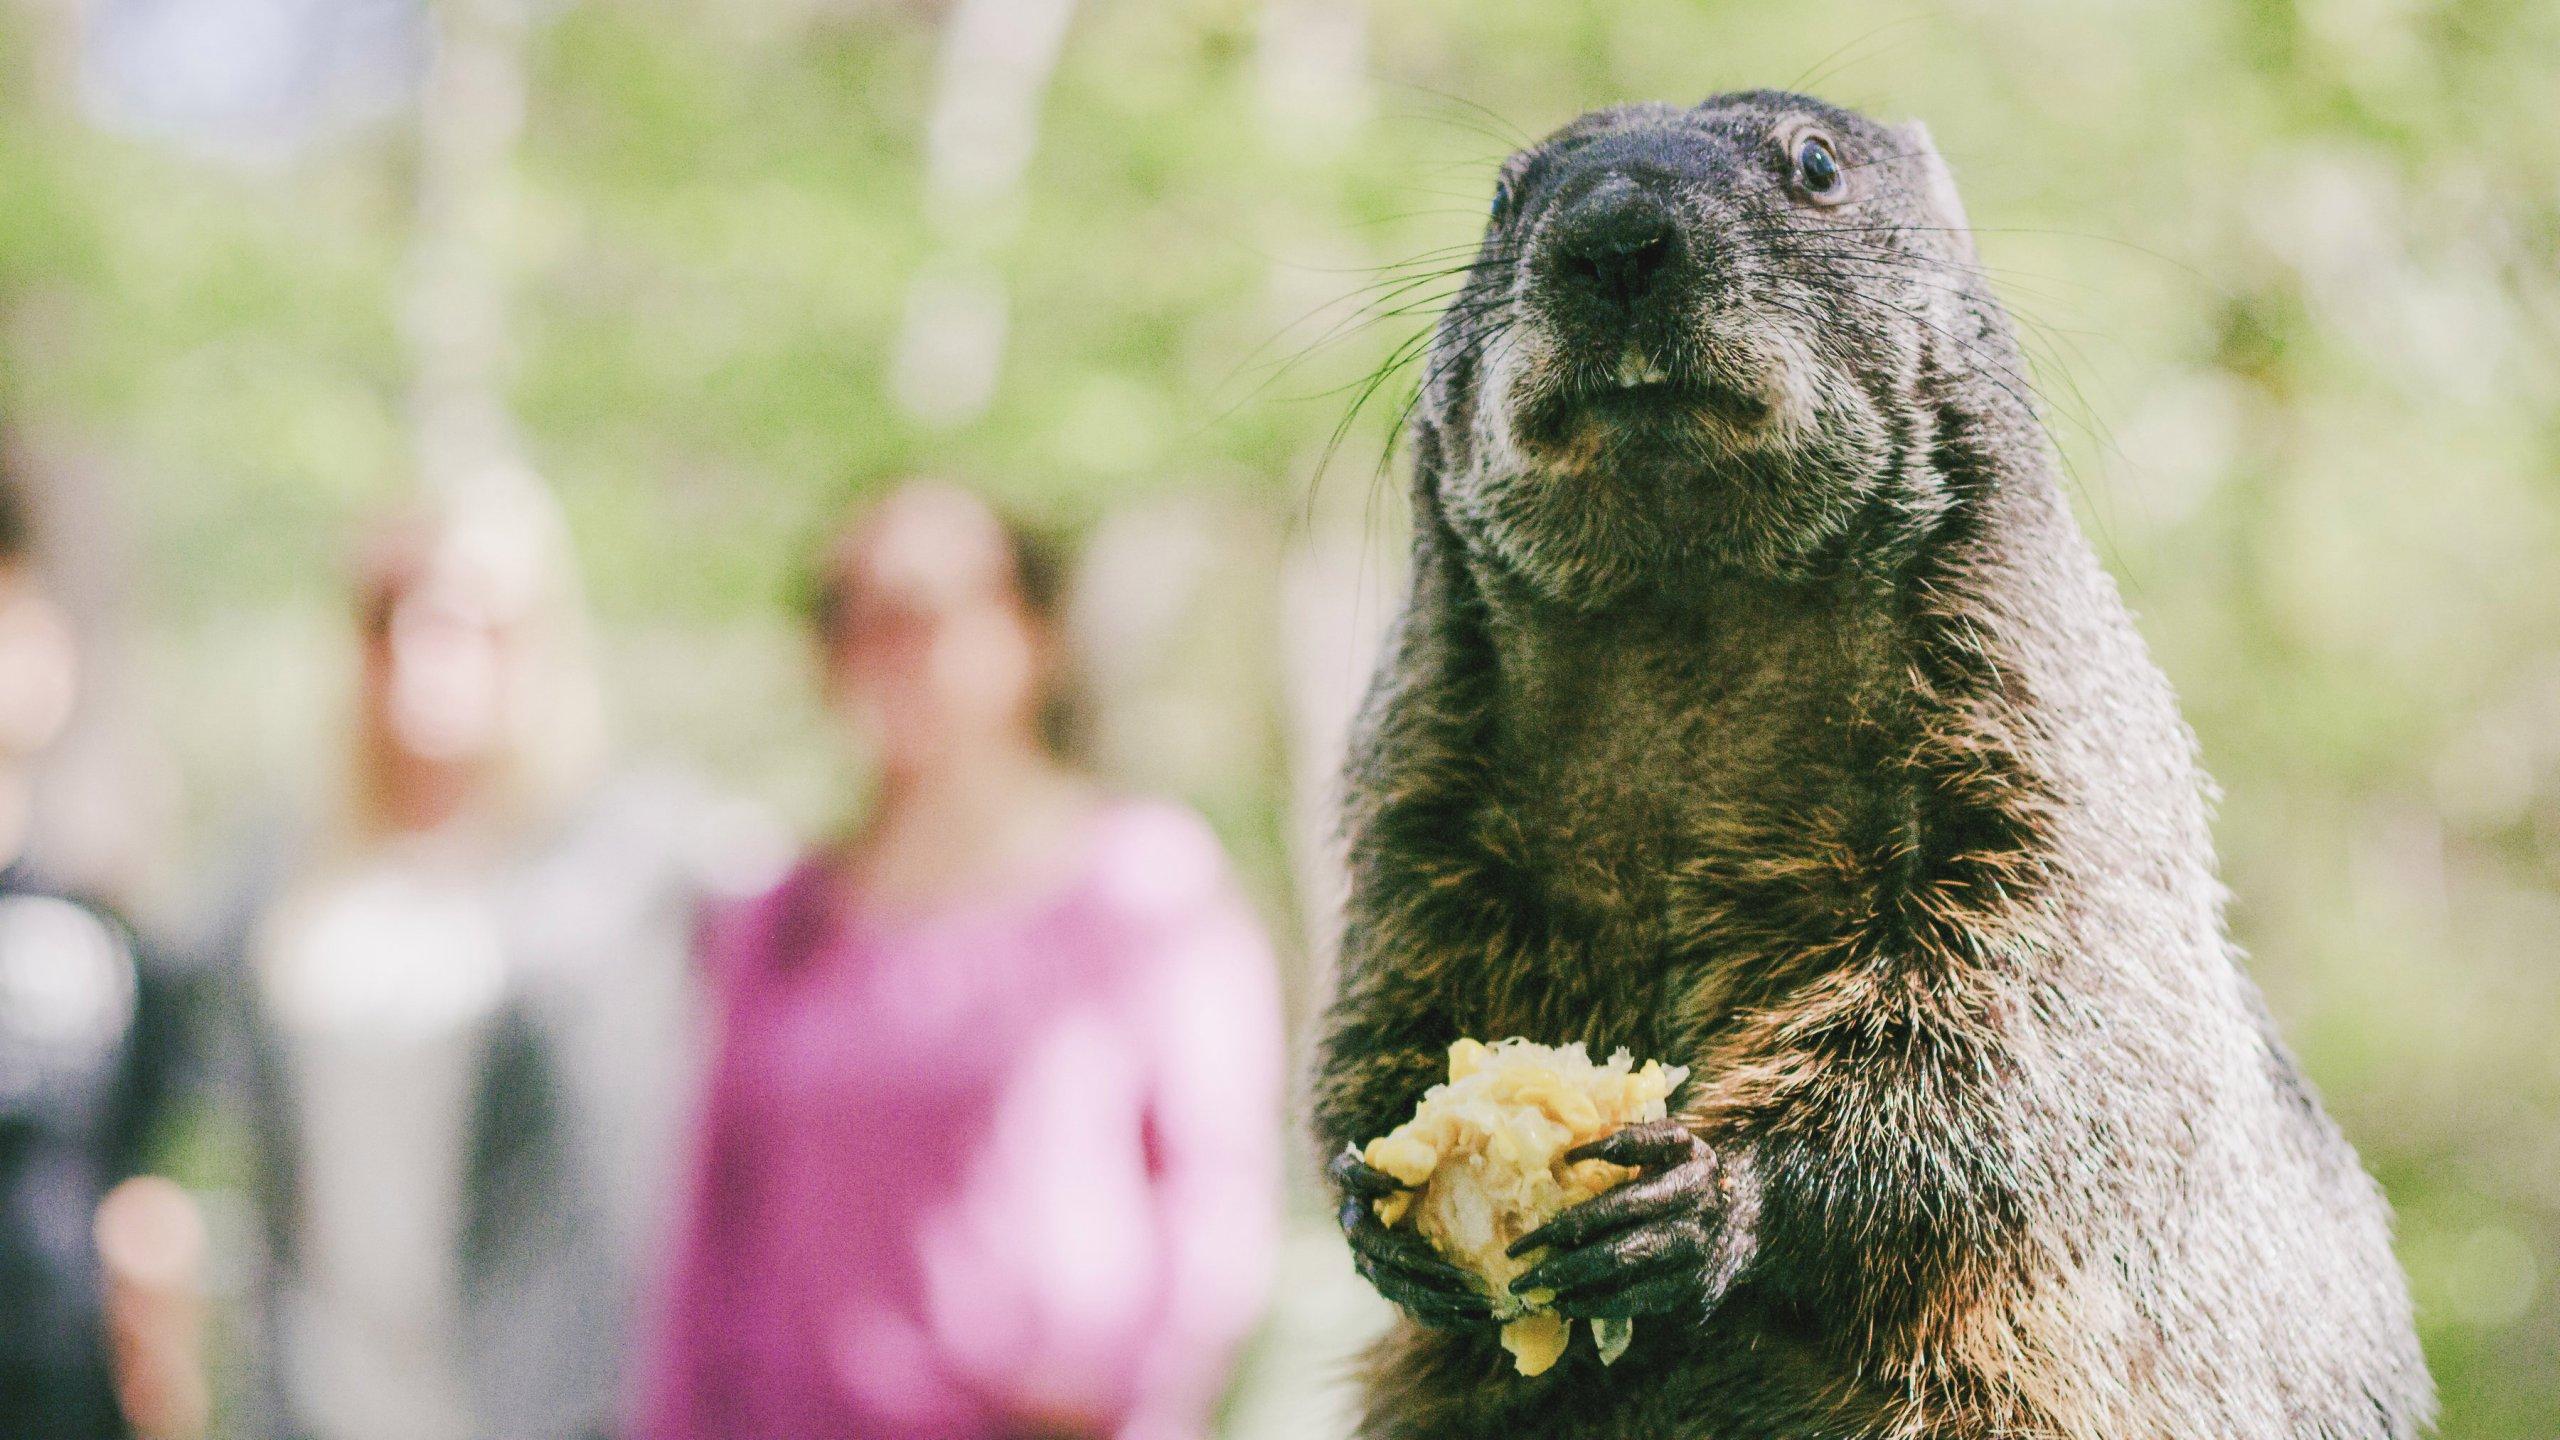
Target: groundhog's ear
{"points": [[1937, 184]]}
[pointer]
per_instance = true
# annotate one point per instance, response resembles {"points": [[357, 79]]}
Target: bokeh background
{"points": [[714, 271]]}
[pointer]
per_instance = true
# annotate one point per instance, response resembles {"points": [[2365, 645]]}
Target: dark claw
{"points": [[1686, 1173], [1400, 1263], [1662, 1295], [1433, 1291], [1438, 1311], [1620, 1259], [1654, 1245], [1630, 1204], [1653, 1145], [1356, 1176], [1403, 1251]]}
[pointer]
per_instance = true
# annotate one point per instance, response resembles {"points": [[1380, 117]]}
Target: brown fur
{"points": [[1831, 766]]}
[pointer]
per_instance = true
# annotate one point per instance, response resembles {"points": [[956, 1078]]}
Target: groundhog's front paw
{"points": [[1400, 1262], [1667, 1242]]}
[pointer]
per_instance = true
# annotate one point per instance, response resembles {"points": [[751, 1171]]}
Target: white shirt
{"points": [[381, 981]]}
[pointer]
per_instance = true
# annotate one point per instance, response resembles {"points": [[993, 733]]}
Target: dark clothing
{"points": [[91, 1035]]}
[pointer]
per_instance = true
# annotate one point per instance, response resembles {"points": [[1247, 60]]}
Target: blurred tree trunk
{"points": [[457, 299], [997, 60]]}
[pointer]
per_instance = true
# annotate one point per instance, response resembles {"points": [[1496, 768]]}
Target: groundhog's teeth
{"points": [[1636, 369]]}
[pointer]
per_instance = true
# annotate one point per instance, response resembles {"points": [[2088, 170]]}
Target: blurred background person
{"points": [[991, 1145], [92, 1035], [464, 1006]]}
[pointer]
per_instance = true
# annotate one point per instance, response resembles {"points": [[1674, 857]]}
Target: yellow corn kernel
{"points": [[1536, 1341], [1409, 1158]]}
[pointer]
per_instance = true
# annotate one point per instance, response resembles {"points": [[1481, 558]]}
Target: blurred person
{"points": [[99, 1283], [990, 1145], [466, 1011]]}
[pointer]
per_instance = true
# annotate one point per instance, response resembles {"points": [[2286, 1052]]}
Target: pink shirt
{"points": [[1012, 1161]]}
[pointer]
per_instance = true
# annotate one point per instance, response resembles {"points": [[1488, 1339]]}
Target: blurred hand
{"points": [[151, 1248]]}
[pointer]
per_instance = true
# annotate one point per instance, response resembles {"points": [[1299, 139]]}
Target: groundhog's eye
{"points": [[1817, 169], [1501, 198]]}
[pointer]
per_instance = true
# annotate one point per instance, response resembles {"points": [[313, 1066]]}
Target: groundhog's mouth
{"points": [[1638, 398]]}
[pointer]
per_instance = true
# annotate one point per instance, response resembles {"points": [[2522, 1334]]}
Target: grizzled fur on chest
{"points": [[1629, 745], [1759, 707]]}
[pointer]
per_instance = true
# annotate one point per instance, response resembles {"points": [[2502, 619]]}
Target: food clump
{"points": [[1485, 1153]]}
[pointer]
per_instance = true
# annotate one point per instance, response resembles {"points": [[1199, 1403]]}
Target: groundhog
{"points": [[1759, 707]]}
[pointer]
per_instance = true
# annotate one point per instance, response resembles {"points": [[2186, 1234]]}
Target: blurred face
{"points": [[436, 666], [39, 670], [928, 647]]}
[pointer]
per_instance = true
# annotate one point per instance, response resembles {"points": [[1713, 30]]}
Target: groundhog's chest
{"points": [[1657, 783]]}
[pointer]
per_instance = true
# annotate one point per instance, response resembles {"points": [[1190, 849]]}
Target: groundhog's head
{"points": [[1692, 340]]}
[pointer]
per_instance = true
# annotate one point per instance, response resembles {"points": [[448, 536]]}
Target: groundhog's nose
{"points": [[1613, 246]]}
